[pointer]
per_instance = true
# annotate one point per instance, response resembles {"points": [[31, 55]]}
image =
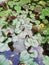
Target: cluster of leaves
{"points": [[27, 58], [44, 13], [28, 20]]}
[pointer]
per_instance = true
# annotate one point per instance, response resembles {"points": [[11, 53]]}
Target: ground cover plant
{"points": [[24, 32]]}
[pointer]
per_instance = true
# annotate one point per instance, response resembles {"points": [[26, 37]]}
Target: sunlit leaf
{"points": [[46, 60], [46, 32], [4, 47], [3, 60]]}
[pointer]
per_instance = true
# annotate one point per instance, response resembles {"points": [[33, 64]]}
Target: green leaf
{"points": [[45, 12], [3, 22], [3, 60], [42, 16], [17, 8], [32, 15], [46, 32], [45, 21], [32, 7], [40, 38], [42, 2], [24, 56], [37, 22], [4, 47], [43, 40], [4, 13], [23, 2], [46, 60], [11, 3], [27, 58], [31, 42]]}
